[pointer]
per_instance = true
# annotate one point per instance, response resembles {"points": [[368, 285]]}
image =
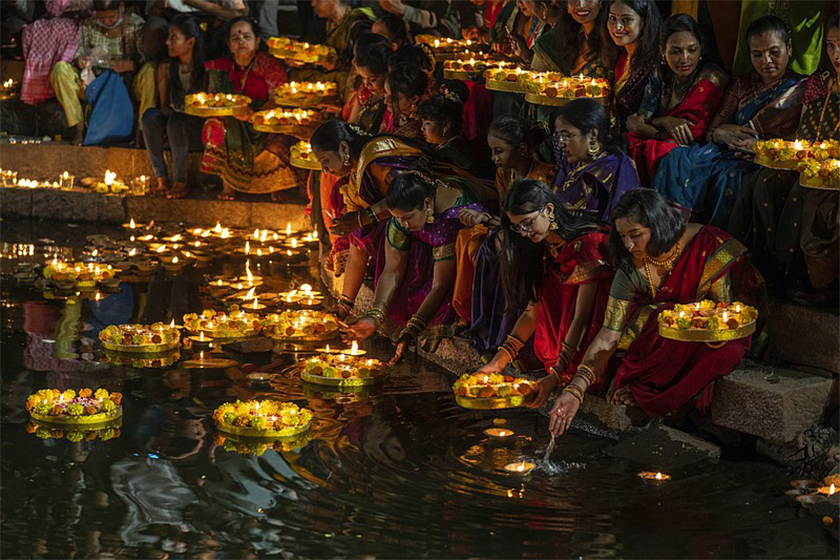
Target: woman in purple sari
{"points": [[415, 270]]}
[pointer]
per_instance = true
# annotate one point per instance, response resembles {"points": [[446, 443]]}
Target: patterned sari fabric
{"points": [[471, 240], [592, 190], [434, 243], [665, 374], [247, 160], [697, 105], [579, 262], [783, 223], [703, 181], [628, 91]]}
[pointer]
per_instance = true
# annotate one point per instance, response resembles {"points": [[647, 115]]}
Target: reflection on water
{"points": [[397, 470]]}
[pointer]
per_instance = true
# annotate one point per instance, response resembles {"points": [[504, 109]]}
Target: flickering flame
{"points": [[248, 271], [354, 349], [98, 296], [291, 295], [218, 228], [172, 324], [725, 315], [174, 260], [328, 348], [197, 231], [225, 233], [110, 177], [831, 490], [131, 224], [176, 237], [306, 289], [201, 336], [250, 294], [161, 249], [206, 233], [247, 248], [520, 467], [288, 228], [132, 252], [256, 234], [264, 235], [737, 309], [294, 243], [659, 476]]}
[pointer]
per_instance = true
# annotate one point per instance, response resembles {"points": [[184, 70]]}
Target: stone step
{"points": [[771, 403], [805, 336]]}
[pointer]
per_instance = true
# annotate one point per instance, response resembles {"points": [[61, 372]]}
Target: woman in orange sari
{"points": [[661, 261], [680, 99]]}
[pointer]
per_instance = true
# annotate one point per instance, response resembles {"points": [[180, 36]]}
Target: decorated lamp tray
{"points": [[553, 89], [304, 325], [511, 80], [820, 175], [302, 157], [480, 391], [216, 104], [141, 339], [446, 48], [258, 445], [467, 67], [342, 370], [707, 321], [284, 47], [81, 276], [68, 408], [263, 419], [220, 325], [289, 121], [305, 94], [786, 154]]}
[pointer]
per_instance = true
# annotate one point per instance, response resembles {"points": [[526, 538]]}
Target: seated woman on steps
{"points": [[415, 269], [246, 160], [178, 76], [661, 261]]}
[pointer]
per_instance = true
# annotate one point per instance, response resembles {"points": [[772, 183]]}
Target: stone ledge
{"points": [[777, 412], [818, 345], [664, 449]]}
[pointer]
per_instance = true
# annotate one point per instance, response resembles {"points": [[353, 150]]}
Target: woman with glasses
{"points": [[415, 270], [661, 261], [513, 142], [553, 265], [594, 172]]}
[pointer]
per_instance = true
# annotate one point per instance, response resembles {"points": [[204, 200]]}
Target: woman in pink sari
{"points": [[661, 261], [680, 99]]}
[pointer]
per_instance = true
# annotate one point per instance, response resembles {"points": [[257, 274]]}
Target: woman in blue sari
{"points": [[703, 181]]}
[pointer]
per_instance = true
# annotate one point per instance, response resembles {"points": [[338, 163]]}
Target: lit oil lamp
{"points": [[827, 490], [654, 477], [254, 305], [328, 350], [499, 434], [522, 468], [201, 342], [208, 362]]}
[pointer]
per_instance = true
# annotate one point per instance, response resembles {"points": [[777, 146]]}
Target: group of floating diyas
{"points": [[108, 184], [818, 163], [342, 369]]}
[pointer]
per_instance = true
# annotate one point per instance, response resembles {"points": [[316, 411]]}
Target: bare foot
{"points": [[226, 194], [624, 396], [80, 135], [162, 186], [179, 190]]}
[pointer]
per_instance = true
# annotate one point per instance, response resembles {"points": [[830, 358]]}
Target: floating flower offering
{"points": [[520, 468], [166, 359], [220, 325], [140, 338], [302, 156], [216, 104], [301, 326], [552, 88], [707, 321], [110, 184], [262, 419], [75, 274], [284, 47], [654, 476], [492, 391], [258, 446], [53, 406], [305, 94], [342, 370]]}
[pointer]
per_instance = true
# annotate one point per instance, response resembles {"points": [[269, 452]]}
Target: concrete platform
{"points": [[817, 340]]}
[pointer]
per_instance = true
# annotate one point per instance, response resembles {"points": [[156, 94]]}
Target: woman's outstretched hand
{"points": [[345, 224], [562, 413], [361, 329], [545, 385]]}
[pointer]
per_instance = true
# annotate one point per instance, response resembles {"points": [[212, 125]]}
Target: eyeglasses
{"points": [[564, 137], [526, 225]]}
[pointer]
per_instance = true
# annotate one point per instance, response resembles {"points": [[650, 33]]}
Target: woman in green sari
{"points": [[570, 46]]}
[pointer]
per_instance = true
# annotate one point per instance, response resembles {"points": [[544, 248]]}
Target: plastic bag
{"points": [[112, 118]]}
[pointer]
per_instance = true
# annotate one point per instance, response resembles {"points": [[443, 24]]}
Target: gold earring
{"points": [[552, 225], [430, 216], [594, 148], [345, 160]]}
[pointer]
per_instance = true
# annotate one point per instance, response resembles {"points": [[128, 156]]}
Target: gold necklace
{"points": [[650, 278], [667, 264]]}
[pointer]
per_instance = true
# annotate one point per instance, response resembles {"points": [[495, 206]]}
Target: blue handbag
{"points": [[112, 118]]}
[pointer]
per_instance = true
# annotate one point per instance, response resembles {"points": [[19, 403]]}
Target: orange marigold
{"points": [[116, 397], [90, 409], [56, 410], [90, 436], [85, 392], [30, 427]]}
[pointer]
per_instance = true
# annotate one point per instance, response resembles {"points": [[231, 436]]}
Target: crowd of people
{"points": [[595, 217]]}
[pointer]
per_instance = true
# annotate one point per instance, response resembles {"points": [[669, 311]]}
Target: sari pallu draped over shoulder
{"points": [[698, 107], [592, 190], [433, 243], [665, 374], [579, 262], [704, 181], [247, 160], [627, 92]]}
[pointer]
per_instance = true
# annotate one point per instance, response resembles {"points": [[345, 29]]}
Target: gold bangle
{"points": [[555, 373], [575, 391], [514, 342], [506, 351]]}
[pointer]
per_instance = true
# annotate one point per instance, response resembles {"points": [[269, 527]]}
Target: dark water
{"points": [[400, 471]]}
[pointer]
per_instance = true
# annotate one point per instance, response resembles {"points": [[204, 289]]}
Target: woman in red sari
{"points": [[556, 270], [661, 261], [680, 99], [246, 160]]}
